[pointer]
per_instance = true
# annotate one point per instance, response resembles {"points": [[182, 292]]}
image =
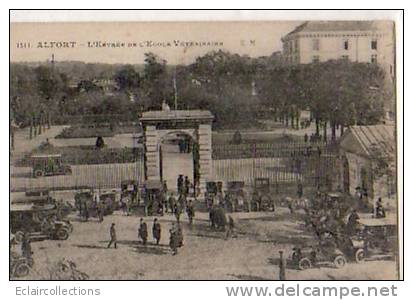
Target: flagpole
{"points": [[175, 90]]}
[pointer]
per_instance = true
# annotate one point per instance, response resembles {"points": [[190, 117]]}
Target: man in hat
{"points": [[143, 231], [113, 239], [156, 231]]}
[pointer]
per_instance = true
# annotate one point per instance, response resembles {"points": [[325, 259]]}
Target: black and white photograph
{"points": [[209, 150]]}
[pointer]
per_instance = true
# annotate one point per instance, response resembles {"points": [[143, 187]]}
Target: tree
{"points": [[127, 78]]}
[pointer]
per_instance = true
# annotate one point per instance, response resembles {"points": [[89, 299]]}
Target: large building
{"points": [[357, 41]]}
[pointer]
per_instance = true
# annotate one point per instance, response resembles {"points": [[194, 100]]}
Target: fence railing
{"points": [[97, 176], [259, 150], [247, 169]]}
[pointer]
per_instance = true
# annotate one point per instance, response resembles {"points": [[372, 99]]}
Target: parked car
{"points": [[379, 237], [264, 199], [41, 222], [323, 253], [49, 165], [88, 199], [236, 196]]}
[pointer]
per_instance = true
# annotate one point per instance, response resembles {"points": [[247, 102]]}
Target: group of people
{"points": [[175, 238]]}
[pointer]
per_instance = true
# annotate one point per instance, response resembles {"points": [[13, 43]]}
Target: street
{"points": [[252, 254]]}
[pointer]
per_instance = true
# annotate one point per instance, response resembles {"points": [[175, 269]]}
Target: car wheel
{"points": [[359, 255], [304, 264], [21, 270], [340, 261], [62, 234], [38, 173]]}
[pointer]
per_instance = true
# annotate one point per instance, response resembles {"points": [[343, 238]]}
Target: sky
{"points": [[33, 42]]}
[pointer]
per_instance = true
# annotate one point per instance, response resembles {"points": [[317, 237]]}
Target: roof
{"points": [[164, 115], [371, 140], [316, 26]]}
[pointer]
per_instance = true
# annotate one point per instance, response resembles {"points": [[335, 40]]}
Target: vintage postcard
{"points": [[249, 150]]}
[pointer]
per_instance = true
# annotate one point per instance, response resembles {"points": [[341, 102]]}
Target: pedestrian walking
{"points": [[113, 239], [143, 231], [179, 183], [173, 241], [177, 212], [156, 231], [187, 185], [190, 211], [172, 202], [101, 211], [231, 227]]}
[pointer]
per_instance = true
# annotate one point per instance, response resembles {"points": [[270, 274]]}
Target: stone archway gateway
{"points": [[195, 123]]}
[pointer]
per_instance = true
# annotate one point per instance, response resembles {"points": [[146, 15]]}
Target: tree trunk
{"points": [[341, 130], [333, 130], [31, 130], [317, 127], [48, 120], [292, 121], [325, 131]]}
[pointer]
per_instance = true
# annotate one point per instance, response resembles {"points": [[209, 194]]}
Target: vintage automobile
{"points": [[42, 197], [262, 196], [130, 189], [88, 199], [49, 165], [20, 266], [378, 237], [235, 196], [324, 252], [40, 222]]}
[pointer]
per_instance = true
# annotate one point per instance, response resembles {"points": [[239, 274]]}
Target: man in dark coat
{"points": [[112, 236], [180, 183], [173, 241], [172, 202], [352, 221], [187, 185], [156, 231], [380, 212], [190, 211], [177, 212], [143, 231]]}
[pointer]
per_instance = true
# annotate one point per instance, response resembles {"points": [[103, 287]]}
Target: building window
{"points": [[374, 45], [374, 59], [345, 45], [316, 44], [344, 57], [316, 59]]}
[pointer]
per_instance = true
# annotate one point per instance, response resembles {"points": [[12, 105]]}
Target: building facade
{"points": [[368, 157], [356, 41]]}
